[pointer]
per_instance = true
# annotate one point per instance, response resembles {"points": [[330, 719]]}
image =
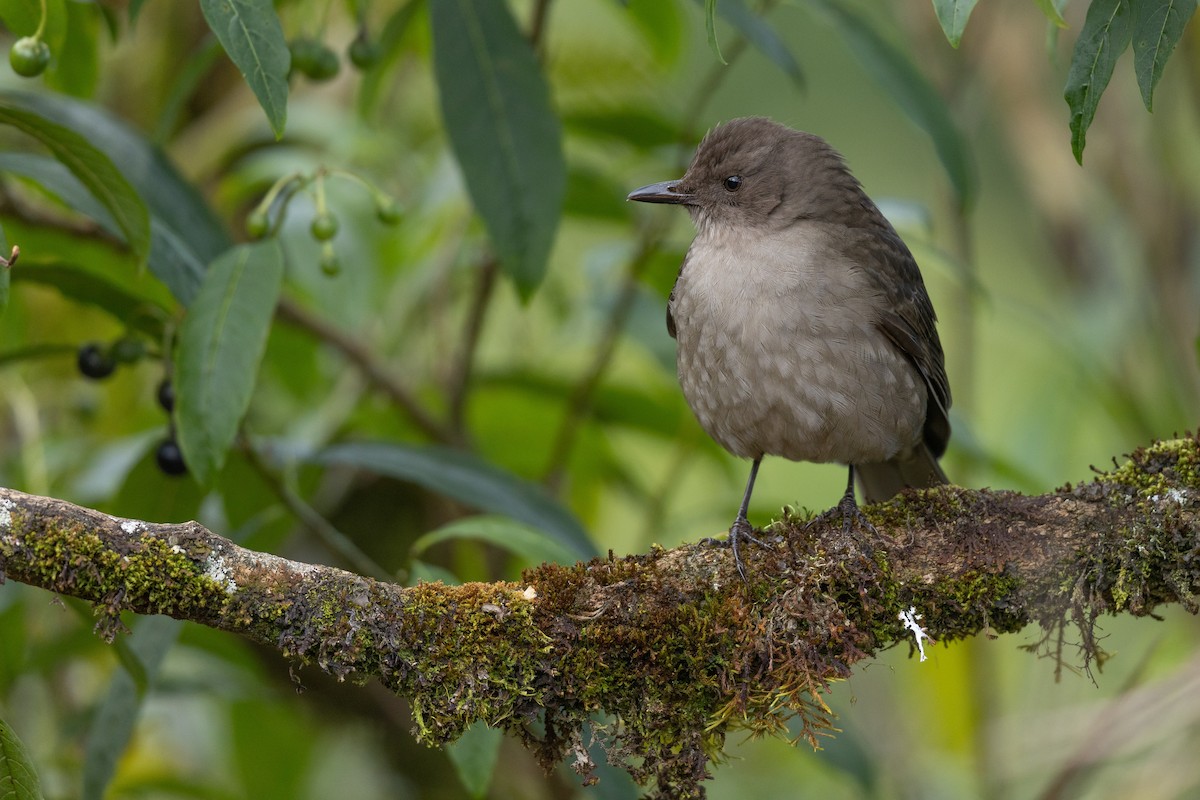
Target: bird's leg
{"points": [[741, 525], [849, 510]]}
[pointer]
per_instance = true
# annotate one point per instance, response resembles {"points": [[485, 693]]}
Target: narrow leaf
{"points": [[171, 199], [474, 756], [469, 480], [84, 286], [952, 16], [221, 344], [763, 36], [1158, 27], [710, 28], [522, 540], [504, 133], [93, 169], [250, 32], [901, 80], [1052, 9], [18, 779], [172, 260], [1106, 33], [115, 719]]}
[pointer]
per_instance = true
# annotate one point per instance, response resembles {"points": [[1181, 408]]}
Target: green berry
{"points": [[94, 361], [387, 210], [128, 350], [324, 226], [314, 60], [363, 52], [170, 458], [29, 56], [330, 264], [304, 55], [257, 224]]}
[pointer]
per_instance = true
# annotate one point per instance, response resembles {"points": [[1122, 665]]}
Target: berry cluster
{"points": [[98, 361]]}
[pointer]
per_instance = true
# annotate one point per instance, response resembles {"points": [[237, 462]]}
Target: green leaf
{"points": [[470, 480], [93, 169], [250, 32], [18, 778], [172, 260], [1157, 28], [593, 193], [710, 29], [504, 133], [112, 726], [763, 36], [221, 344], [1107, 31], [84, 286], [474, 755], [78, 73], [172, 200], [920, 102], [641, 127], [661, 26], [1052, 9], [952, 16], [531, 544], [22, 18]]}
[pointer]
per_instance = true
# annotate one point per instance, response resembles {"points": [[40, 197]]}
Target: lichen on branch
{"points": [[661, 655]]}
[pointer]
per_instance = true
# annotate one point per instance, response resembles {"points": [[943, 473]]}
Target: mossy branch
{"points": [[671, 644]]}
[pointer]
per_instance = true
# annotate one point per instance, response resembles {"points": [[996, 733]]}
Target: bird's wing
{"points": [[910, 323]]}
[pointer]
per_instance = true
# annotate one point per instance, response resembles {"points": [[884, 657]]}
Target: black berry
{"points": [[95, 362], [166, 395], [170, 458]]}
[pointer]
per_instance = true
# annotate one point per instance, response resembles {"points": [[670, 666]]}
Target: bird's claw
{"points": [[738, 532]]}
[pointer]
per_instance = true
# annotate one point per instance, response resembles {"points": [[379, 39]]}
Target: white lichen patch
{"points": [[530, 593], [6, 507], [909, 618], [1176, 496], [217, 568], [132, 526]]}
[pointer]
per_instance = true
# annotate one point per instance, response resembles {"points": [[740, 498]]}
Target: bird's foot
{"points": [[738, 532], [857, 531]]}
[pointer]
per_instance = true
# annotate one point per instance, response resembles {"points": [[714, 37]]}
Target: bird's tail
{"points": [[917, 469]]}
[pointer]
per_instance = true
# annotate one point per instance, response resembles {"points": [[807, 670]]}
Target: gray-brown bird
{"points": [[803, 326]]}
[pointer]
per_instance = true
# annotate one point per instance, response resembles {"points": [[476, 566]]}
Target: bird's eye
{"points": [[732, 183]]}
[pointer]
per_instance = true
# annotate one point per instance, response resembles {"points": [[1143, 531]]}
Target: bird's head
{"points": [[755, 172]]}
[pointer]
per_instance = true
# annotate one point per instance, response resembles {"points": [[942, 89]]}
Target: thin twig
{"points": [[537, 25], [374, 370], [337, 542], [459, 380]]}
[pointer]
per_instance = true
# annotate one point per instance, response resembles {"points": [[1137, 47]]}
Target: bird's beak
{"points": [[665, 192]]}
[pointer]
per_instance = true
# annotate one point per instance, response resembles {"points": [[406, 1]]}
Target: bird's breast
{"points": [[778, 352]]}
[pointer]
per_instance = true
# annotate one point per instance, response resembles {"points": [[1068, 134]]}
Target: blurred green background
{"points": [[1069, 300]]}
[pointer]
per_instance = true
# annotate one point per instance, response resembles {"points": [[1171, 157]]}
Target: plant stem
{"points": [[374, 370], [459, 381]]}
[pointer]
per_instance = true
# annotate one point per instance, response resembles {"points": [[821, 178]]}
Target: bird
{"points": [[802, 323]]}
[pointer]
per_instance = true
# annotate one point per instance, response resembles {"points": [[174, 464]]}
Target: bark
{"points": [[669, 648]]}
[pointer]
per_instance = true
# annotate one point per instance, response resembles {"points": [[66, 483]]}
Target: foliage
{"points": [[413, 328]]}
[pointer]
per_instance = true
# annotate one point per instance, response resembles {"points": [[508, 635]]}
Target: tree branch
{"points": [[670, 643]]}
